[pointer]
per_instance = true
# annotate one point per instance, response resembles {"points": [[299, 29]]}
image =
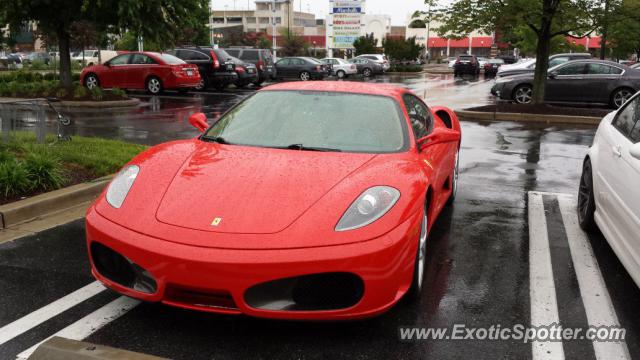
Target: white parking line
{"points": [[544, 306], [89, 324], [596, 299], [49, 311]]}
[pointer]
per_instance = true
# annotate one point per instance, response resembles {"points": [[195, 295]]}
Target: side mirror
{"points": [[553, 75], [635, 151], [199, 121], [438, 136]]}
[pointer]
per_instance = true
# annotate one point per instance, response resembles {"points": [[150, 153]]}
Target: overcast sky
{"points": [[397, 9]]}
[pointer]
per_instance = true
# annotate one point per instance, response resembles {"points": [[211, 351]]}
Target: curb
{"points": [[99, 104], [522, 117], [58, 348], [40, 205]]}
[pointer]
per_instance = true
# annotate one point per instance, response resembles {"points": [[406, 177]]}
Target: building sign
{"points": [[345, 23]]}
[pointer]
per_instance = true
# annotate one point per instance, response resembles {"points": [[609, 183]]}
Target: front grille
{"points": [[318, 292], [199, 297]]}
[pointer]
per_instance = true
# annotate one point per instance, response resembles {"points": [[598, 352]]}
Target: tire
{"points": [[454, 179], [620, 96], [220, 86], [91, 81], [341, 74], [154, 85], [305, 76], [523, 94], [420, 260], [367, 72], [586, 198]]}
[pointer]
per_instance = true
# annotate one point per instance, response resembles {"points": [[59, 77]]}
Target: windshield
{"points": [[311, 119]]}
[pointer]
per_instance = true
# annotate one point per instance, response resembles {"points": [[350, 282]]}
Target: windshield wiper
{"points": [[301, 147], [218, 139]]}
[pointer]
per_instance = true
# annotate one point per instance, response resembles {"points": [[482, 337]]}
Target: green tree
{"points": [[402, 49], [623, 29], [546, 18], [129, 42], [293, 44], [365, 44]]}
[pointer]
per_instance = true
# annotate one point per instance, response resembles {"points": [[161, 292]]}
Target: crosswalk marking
{"points": [[544, 307], [91, 323], [49, 311], [596, 299]]}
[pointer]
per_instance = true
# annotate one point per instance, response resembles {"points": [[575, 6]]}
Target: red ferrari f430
{"points": [[304, 201]]}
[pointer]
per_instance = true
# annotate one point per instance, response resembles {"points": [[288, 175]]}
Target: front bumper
{"points": [[385, 266]]}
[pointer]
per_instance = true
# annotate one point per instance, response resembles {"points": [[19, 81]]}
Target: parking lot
{"points": [[514, 178]]}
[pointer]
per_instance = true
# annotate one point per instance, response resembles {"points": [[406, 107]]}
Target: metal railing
{"points": [[15, 113]]}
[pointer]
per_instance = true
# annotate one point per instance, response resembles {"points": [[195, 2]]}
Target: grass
{"points": [[28, 168]]}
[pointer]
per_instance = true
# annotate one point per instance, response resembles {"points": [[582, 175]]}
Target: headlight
{"points": [[121, 184], [370, 206]]}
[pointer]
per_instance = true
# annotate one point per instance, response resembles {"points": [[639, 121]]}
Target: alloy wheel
{"points": [[367, 72], [523, 95], [584, 194], [341, 74], [305, 76], [91, 82], [154, 86], [621, 96]]}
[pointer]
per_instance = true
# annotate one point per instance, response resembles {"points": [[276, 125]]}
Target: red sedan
{"points": [[151, 71], [305, 201]]}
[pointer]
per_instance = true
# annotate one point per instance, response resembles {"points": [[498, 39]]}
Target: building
{"points": [[378, 25]]}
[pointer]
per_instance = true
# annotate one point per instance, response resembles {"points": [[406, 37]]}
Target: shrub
{"points": [[37, 77], [97, 93], [14, 179], [5, 156], [80, 92], [61, 93], [4, 89], [75, 77], [24, 76], [50, 76], [44, 170], [38, 65], [118, 92]]}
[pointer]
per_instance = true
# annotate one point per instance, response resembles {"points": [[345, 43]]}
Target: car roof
{"points": [[340, 86], [571, 54]]}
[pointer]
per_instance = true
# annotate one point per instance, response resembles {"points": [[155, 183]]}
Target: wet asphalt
{"points": [[478, 254]]}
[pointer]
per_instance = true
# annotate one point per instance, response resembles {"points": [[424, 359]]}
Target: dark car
{"points": [[492, 66], [579, 81], [368, 67], [508, 59], [303, 68], [215, 66], [466, 64], [247, 73], [261, 58], [530, 67]]}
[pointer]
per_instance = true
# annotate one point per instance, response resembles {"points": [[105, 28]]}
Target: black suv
{"points": [[466, 64], [261, 58], [215, 65]]}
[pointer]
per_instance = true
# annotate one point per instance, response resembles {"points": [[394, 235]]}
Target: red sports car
{"points": [[152, 71], [305, 201]]}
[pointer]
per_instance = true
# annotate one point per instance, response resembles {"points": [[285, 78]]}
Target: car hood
{"points": [[250, 190]]}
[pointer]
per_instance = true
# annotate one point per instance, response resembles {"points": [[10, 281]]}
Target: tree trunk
{"points": [[542, 65], [605, 30], [65, 58]]}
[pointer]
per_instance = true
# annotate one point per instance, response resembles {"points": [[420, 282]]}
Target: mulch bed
{"points": [[543, 109]]}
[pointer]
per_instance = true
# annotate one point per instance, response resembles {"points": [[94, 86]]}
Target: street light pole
{"points": [[428, 33], [273, 23]]}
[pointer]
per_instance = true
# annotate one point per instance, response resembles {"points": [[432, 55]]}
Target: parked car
{"points": [[341, 68], [379, 58], [303, 68], [451, 62], [151, 71], [91, 56], [368, 67], [609, 197], [508, 59], [635, 66], [247, 73], [482, 62], [466, 64], [530, 65], [11, 61], [215, 66], [579, 81], [245, 200], [492, 66], [39, 56], [261, 58]]}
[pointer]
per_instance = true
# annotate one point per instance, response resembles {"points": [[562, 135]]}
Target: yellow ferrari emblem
{"points": [[216, 221]]}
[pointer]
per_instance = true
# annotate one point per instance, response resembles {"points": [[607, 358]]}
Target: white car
{"points": [[340, 68], [452, 62], [482, 62], [609, 196], [91, 57], [382, 59]]}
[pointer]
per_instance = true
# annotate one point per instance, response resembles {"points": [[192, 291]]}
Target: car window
{"points": [[557, 61], [276, 119], [298, 62], [420, 114], [140, 59], [602, 69], [627, 118], [120, 60], [284, 62], [635, 133], [170, 59], [234, 52], [250, 55], [571, 69]]}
